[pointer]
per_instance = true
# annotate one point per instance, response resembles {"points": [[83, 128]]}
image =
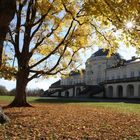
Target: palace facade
{"points": [[112, 77]]}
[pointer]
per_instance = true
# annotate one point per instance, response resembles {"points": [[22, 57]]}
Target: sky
{"points": [[44, 84]]}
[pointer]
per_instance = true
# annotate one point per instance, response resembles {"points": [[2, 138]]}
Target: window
{"points": [[118, 77], [113, 77], [108, 65], [139, 73], [124, 76], [99, 67], [132, 74], [98, 80]]}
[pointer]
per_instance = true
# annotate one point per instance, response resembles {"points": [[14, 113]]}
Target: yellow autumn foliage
{"points": [[71, 25]]}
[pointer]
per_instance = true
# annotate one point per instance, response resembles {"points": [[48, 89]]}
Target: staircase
{"points": [[90, 91]]}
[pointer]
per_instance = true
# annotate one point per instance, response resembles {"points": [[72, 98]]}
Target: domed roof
{"points": [[101, 52]]}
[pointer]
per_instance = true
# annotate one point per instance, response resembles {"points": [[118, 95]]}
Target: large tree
{"points": [[46, 35], [44, 39]]}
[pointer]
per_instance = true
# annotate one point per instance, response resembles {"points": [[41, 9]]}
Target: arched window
{"points": [[130, 90], [67, 93], [59, 93], [139, 91], [119, 91], [78, 90], [110, 91]]}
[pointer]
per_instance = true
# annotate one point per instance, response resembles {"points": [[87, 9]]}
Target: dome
{"points": [[101, 52]]}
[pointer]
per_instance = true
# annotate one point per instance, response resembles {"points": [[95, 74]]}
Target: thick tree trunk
{"points": [[20, 97], [1, 50], [3, 32], [7, 12]]}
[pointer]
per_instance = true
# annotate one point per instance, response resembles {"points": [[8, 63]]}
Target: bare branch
{"points": [[11, 36], [34, 32], [41, 72], [19, 13]]}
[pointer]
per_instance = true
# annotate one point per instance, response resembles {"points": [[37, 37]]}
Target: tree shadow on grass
{"points": [[59, 100], [84, 100]]}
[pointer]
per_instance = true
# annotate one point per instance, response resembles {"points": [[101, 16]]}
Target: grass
{"points": [[8, 99], [119, 106]]}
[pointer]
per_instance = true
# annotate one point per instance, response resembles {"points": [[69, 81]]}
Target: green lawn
{"points": [[8, 99], [118, 106]]}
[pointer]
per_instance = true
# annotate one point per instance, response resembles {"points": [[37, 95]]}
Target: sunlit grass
{"points": [[118, 106]]}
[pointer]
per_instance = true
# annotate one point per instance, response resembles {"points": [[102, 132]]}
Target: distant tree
{"points": [[3, 90], [12, 92]]}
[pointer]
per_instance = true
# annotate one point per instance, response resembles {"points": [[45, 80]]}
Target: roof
{"points": [[74, 73], [103, 52], [57, 83], [133, 60]]}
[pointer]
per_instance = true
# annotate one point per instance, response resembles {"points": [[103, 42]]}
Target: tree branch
{"points": [[12, 39], [43, 17], [34, 32], [43, 59], [50, 72], [101, 34]]}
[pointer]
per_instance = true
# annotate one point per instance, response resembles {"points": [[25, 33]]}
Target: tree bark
{"points": [[20, 97], [1, 50], [7, 12], [3, 32]]}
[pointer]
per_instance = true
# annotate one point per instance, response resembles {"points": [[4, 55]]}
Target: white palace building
{"points": [[110, 77]]}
